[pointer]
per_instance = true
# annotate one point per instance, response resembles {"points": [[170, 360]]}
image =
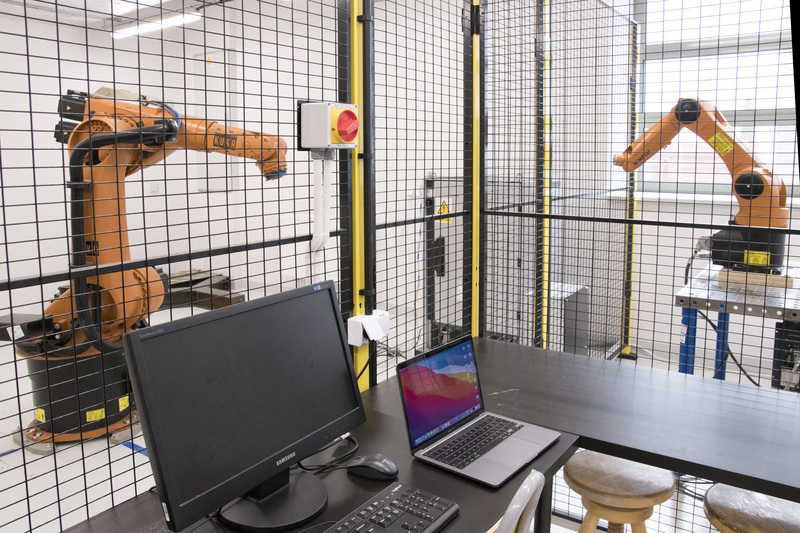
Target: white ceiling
{"points": [[95, 11]]}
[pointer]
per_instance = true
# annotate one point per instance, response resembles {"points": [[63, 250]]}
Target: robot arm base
{"points": [[749, 249]]}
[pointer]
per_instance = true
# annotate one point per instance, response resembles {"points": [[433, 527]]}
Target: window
{"points": [[736, 55]]}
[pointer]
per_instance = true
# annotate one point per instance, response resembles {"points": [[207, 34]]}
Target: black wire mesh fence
{"points": [[586, 257], [515, 181], [423, 214], [172, 126], [576, 253]]}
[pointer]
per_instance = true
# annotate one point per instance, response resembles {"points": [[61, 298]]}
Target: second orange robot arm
{"points": [[761, 196]]}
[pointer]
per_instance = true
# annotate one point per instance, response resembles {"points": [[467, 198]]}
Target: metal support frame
{"points": [[723, 326], [367, 114], [363, 178], [542, 196], [687, 349], [625, 351], [345, 163], [688, 344], [475, 259]]}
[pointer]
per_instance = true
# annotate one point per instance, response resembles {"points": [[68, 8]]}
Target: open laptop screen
{"points": [[439, 389]]}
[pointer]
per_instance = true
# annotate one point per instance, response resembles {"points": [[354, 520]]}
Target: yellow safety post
{"points": [[630, 234], [476, 177], [360, 353]]}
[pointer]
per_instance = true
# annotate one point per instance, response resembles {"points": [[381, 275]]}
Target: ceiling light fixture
{"points": [[167, 22], [123, 7]]}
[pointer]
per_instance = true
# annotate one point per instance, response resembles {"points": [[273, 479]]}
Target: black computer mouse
{"points": [[373, 466]]}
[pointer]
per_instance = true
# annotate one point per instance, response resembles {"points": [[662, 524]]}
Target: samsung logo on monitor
{"points": [[281, 461], [149, 332]]}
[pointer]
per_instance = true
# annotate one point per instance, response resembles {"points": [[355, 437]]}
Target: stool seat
{"points": [[618, 482], [617, 490], [733, 510]]}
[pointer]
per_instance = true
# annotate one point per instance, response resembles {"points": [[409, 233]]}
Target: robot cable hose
{"points": [[81, 156]]}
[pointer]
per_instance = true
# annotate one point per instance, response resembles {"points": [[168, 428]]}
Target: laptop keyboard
{"points": [[398, 509], [470, 444]]}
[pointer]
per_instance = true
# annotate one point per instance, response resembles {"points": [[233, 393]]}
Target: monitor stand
{"points": [[283, 502]]}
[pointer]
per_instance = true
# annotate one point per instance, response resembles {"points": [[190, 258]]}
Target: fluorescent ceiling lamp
{"points": [[145, 27], [122, 7]]}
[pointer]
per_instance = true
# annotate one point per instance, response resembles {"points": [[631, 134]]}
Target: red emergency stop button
{"points": [[345, 125]]}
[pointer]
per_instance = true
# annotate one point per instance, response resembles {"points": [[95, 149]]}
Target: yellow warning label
{"points": [[443, 210], [722, 144], [97, 414], [39, 415], [124, 403], [753, 257]]}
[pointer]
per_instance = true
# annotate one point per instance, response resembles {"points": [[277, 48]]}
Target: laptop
{"points": [[442, 403]]}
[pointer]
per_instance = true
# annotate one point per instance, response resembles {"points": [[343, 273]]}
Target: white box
{"points": [[325, 125], [364, 328]]}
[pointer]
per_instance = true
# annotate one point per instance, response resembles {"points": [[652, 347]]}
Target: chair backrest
{"points": [[520, 513]]}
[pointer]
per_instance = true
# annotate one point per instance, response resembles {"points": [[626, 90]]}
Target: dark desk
{"points": [[721, 431], [384, 431], [735, 434], [480, 506]]}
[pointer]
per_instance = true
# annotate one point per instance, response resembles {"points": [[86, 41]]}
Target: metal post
{"points": [[723, 326], [689, 326]]}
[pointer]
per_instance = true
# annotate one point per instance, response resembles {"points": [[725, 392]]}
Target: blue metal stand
{"points": [[689, 324], [723, 325]]}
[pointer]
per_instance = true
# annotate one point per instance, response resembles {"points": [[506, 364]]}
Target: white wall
{"points": [[246, 73]]}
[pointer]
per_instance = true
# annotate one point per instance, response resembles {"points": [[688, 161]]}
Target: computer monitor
{"points": [[230, 399]]}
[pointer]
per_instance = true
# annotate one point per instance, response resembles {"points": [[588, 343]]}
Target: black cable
{"points": [[362, 370], [687, 272], [396, 355], [312, 468], [730, 352], [714, 327], [681, 488], [81, 154], [684, 478], [390, 352], [312, 528], [333, 462]]}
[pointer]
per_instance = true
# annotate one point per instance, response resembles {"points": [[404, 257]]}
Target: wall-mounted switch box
{"points": [[325, 125], [364, 328]]}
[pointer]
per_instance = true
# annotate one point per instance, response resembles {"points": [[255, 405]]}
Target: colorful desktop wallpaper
{"points": [[438, 392]]}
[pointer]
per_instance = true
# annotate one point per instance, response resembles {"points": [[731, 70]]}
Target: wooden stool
{"points": [[617, 490], [734, 510]]}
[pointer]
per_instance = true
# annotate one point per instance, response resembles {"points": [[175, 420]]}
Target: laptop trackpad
{"points": [[513, 452], [537, 435]]}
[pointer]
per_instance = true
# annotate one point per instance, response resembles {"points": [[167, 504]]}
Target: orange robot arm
{"points": [[110, 139], [198, 134], [761, 196]]}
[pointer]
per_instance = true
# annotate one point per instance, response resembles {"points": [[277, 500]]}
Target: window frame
{"points": [[710, 47]]}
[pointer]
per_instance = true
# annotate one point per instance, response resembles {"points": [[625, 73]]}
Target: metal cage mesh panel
{"points": [[557, 98], [514, 169], [209, 223], [591, 63], [568, 261], [421, 210], [604, 271]]}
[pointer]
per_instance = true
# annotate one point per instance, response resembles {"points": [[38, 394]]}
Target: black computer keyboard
{"points": [[473, 442], [398, 509]]}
